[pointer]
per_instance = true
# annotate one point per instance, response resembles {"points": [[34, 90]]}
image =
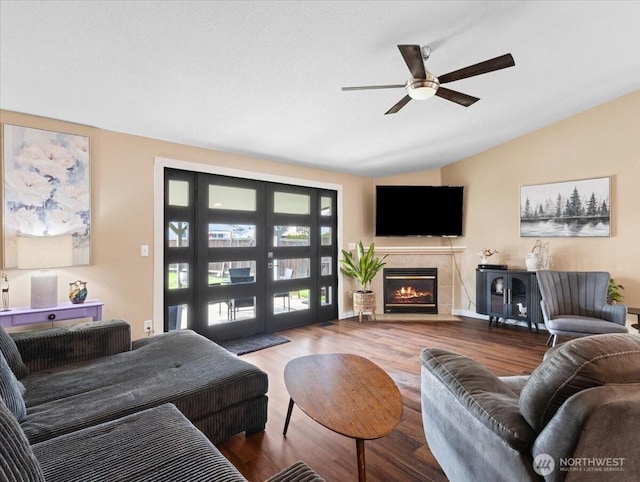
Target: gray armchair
{"points": [[574, 303], [575, 418]]}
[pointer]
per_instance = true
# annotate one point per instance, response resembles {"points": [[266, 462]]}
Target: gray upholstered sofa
{"points": [[104, 417], [157, 444], [111, 377], [576, 417]]}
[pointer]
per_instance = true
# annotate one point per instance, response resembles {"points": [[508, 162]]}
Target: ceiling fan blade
{"points": [[412, 55], [498, 63], [371, 87], [404, 101], [457, 97]]}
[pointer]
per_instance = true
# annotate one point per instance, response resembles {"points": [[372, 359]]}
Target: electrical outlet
{"points": [[148, 326]]}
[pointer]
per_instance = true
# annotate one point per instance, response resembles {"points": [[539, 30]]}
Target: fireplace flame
{"points": [[409, 292]]}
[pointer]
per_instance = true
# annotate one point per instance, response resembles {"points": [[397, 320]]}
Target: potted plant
{"points": [[363, 269], [613, 292]]}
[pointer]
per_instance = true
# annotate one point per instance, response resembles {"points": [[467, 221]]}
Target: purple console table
{"points": [[64, 311]]}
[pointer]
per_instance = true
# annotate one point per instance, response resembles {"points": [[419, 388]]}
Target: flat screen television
{"points": [[418, 210]]}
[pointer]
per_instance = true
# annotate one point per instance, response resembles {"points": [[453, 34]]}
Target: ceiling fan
{"points": [[423, 84]]}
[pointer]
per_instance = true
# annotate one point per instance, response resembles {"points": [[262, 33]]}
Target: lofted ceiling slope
{"points": [[264, 78]]}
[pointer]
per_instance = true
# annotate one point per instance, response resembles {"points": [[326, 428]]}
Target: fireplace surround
{"points": [[410, 290], [440, 257]]}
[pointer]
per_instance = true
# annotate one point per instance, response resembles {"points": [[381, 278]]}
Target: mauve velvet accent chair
{"points": [[574, 304]]}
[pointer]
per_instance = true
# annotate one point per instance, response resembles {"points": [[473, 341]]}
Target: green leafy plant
{"points": [[613, 291], [363, 268]]}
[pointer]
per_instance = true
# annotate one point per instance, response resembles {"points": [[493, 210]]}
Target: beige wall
{"points": [[604, 141], [122, 173]]}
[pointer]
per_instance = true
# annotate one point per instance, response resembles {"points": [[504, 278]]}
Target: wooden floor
{"points": [[404, 454]]}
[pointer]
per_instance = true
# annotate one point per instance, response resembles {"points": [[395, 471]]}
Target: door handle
{"points": [[269, 265]]}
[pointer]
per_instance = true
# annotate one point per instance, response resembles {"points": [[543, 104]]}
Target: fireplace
{"points": [[410, 290]]}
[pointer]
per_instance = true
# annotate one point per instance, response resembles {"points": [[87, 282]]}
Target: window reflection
{"points": [[178, 276], [289, 203], [232, 235], [178, 193], [232, 198], [325, 206], [325, 236], [178, 234], [291, 236]]}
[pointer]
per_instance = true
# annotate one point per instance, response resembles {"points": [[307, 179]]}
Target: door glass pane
{"points": [[325, 236], [289, 203], [518, 298], [218, 312], [232, 272], [178, 234], [291, 268], [325, 295], [325, 206], [289, 301], [178, 193], [178, 315], [231, 310], [497, 295], [232, 235], [325, 266], [291, 236], [232, 198], [178, 276]]}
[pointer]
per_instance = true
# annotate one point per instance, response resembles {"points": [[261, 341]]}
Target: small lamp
{"points": [[44, 252]]}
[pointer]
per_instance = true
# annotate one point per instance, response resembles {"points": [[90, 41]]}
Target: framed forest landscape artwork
{"points": [[569, 208], [46, 189]]}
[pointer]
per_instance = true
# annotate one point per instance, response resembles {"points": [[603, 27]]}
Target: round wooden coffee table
{"points": [[348, 394]]}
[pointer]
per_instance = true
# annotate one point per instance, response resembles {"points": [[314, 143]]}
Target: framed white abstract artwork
{"points": [[46, 189]]}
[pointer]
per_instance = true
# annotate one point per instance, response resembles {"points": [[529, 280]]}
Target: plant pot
{"points": [[364, 302]]}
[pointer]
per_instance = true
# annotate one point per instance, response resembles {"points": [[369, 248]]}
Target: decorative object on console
{"points": [[4, 285], [363, 270], [532, 261], [485, 253], [563, 209], [77, 292], [44, 252], [46, 189], [539, 257]]}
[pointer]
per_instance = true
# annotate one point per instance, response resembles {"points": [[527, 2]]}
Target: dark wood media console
{"points": [[508, 294]]}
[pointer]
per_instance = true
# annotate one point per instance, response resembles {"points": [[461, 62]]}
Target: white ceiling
{"points": [[263, 78]]}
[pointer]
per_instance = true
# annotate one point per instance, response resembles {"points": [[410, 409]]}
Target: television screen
{"points": [[418, 210]]}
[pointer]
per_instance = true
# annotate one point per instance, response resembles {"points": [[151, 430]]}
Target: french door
{"points": [[243, 256]]}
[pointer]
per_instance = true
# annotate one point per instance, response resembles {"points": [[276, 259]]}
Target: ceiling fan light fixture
{"points": [[420, 89]]}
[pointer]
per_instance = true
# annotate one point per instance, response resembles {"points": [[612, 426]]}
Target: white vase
{"points": [[532, 261]]}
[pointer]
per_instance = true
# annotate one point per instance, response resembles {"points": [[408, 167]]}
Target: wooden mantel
{"points": [[424, 250]]}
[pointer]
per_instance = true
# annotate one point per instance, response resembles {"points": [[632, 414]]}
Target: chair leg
{"points": [[549, 340]]}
